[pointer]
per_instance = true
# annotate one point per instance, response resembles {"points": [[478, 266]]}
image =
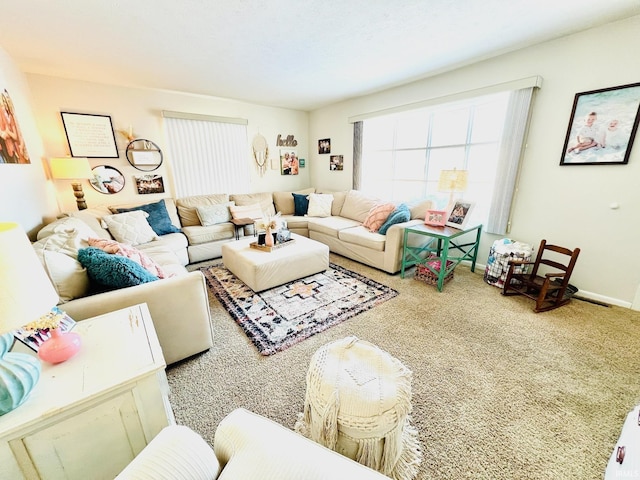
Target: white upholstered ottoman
{"points": [[357, 403], [261, 270]]}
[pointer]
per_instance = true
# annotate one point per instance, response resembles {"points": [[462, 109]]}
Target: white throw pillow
{"points": [[130, 227], [214, 214], [320, 205], [58, 253]]}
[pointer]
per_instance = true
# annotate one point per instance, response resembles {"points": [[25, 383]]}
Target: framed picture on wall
{"points": [[602, 126], [89, 136], [459, 216], [289, 164], [150, 183], [324, 146], [12, 146], [336, 162]]}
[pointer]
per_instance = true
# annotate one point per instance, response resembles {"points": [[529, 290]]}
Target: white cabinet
{"points": [[91, 415]]}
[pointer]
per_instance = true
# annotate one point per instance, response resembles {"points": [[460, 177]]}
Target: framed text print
{"points": [[89, 136]]}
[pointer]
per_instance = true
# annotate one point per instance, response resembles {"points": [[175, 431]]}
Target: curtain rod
{"points": [[535, 81]]}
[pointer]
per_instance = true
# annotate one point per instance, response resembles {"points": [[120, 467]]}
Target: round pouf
{"points": [[357, 403]]}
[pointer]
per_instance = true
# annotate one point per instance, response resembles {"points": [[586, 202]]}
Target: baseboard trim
{"points": [[582, 294]]}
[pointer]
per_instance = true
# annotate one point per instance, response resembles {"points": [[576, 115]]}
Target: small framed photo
{"points": [[436, 218], [324, 146], [289, 164], [602, 126], [460, 213], [336, 162], [146, 184]]}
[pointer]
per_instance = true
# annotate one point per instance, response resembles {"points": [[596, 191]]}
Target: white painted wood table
{"points": [[91, 415]]}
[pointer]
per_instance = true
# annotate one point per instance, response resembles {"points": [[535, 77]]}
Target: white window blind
{"points": [[208, 154]]}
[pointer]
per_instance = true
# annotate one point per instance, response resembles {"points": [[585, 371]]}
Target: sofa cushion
{"points": [[265, 199], [253, 211], [112, 271], [320, 205], [300, 204], [419, 209], [186, 206], [66, 224], [283, 201], [338, 202], [92, 217], [357, 205], [377, 216], [130, 227], [399, 215], [214, 214], [330, 225], [362, 237], [213, 233], [138, 256], [58, 254], [158, 218]]}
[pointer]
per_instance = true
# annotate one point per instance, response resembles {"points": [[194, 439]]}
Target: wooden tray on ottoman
{"points": [[276, 246]]}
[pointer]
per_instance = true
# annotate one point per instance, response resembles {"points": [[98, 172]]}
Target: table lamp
{"points": [[26, 293], [453, 181], [74, 169]]}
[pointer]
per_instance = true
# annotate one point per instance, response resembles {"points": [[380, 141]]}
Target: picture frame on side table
{"points": [[602, 126], [436, 218], [460, 213]]}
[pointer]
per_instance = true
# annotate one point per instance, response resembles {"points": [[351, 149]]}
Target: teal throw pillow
{"points": [[300, 204], [158, 217], [399, 215], [108, 271]]}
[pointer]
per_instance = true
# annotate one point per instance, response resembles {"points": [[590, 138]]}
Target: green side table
{"points": [[446, 244]]}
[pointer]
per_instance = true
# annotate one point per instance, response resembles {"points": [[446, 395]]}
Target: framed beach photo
{"points": [[459, 215], [602, 126]]}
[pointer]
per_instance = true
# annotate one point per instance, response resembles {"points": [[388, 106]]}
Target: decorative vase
{"points": [[19, 373], [268, 238], [60, 347]]}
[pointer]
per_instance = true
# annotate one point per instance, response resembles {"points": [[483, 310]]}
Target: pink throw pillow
{"points": [[124, 250], [377, 216]]}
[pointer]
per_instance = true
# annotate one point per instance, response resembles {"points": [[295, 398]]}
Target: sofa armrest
{"points": [[394, 244], [177, 452], [252, 447], [179, 307]]}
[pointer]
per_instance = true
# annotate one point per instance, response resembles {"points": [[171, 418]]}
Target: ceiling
{"points": [[298, 54]]}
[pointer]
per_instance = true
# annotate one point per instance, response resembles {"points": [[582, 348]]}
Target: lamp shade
{"points": [[70, 168], [26, 293], [453, 180]]}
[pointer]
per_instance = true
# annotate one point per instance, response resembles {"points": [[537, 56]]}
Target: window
{"points": [[400, 155], [208, 154]]}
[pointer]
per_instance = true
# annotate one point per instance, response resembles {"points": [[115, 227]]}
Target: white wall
{"points": [[567, 205], [24, 196], [141, 109]]}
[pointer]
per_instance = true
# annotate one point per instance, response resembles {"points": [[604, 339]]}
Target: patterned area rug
{"points": [[280, 317]]}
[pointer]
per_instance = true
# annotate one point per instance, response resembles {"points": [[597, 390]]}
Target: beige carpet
{"points": [[499, 392]]}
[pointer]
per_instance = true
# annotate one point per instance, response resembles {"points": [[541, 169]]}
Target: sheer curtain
{"points": [[208, 154], [511, 150], [357, 155]]}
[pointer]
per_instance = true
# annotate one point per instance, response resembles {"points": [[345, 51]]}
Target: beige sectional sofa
{"points": [[342, 230], [179, 304]]}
